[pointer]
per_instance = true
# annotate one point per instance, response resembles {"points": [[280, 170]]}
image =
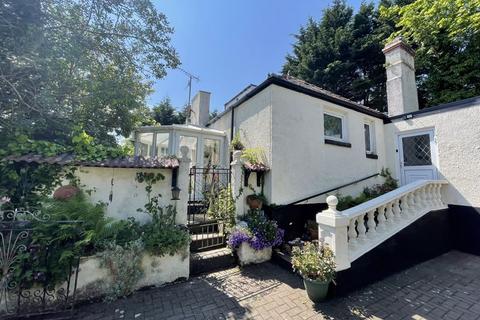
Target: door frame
{"points": [[433, 150]]}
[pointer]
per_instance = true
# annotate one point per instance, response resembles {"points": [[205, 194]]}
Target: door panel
{"points": [[417, 158]]}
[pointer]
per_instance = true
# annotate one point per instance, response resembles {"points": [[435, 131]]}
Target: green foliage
{"points": [[221, 206], [124, 266], [26, 183], [314, 263], [236, 143], [120, 232], [88, 62], [165, 114], [342, 53], [254, 155], [368, 193], [162, 236], [81, 223], [446, 36]]}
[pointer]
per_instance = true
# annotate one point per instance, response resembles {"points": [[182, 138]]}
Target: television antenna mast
{"points": [[190, 78]]}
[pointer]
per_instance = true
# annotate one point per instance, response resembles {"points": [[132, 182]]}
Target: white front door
{"points": [[417, 153]]}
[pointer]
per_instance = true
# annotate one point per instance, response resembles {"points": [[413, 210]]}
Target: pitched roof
{"points": [[124, 162], [304, 87]]}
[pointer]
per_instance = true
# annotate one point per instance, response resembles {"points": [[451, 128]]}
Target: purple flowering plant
{"points": [[258, 231]]}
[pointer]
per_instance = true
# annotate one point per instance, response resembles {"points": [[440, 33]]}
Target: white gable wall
{"points": [[302, 164], [253, 119], [457, 135]]}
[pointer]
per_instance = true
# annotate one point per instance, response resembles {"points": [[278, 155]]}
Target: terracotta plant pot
{"points": [[316, 290]]}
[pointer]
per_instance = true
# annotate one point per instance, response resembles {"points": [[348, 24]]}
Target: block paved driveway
{"points": [[447, 287]]}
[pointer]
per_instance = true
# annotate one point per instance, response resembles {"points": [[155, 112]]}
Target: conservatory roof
{"points": [[182, 127], [123, 162]]}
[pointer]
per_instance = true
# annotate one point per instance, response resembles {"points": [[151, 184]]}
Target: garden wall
{"points": [[94, 280], [123, 195]]}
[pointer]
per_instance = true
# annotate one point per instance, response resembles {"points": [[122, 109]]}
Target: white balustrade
{"points": [[355, 231]]}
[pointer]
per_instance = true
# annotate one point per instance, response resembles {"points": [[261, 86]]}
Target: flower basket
{"points": [[254, 238], [248, 255]]}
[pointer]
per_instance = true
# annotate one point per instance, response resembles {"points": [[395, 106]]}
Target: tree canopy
{"points": [[342, 51], [79, 62], [446, 36]]}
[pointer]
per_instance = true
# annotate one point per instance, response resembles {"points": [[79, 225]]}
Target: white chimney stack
{"points": [[200, 111], [401, 86]]}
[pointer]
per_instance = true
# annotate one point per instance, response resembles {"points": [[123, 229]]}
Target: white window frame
{"points": [[371, 132], [344, 126]]}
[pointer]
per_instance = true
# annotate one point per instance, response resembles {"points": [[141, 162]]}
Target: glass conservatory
{"points": [[207, 147]]}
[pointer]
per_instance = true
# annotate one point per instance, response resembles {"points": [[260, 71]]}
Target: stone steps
{"points": [[212, 260]]}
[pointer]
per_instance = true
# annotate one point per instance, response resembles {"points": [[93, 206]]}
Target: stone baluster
{"points": [[371, 224], [417, 196], [431, 195], [389, 213], [428, 195], [352, 233], [426, 204], [396, 210], [381, 227], [361, 227], [405, 207], [439, 194], [411, 204]]}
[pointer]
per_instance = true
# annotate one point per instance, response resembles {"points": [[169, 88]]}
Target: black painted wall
{"points": [[465, 222], [425, 239]]}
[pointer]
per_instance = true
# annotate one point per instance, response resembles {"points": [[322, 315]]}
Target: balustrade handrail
{"points": [[355, 231], [387, 197]]}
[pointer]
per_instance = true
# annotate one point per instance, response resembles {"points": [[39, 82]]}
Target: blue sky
{"points": [[230, 44]]}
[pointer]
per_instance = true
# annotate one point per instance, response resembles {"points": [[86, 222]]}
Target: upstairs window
{"points": [[334, 127]]}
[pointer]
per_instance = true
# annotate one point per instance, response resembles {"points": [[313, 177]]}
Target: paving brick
{"points": [[447, 287]]}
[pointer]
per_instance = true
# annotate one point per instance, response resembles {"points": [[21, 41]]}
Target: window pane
{"points": [[211, 152], [368, 146], [416, 150], [144, 144], [191, 143], [333, 126], [162, 144]]}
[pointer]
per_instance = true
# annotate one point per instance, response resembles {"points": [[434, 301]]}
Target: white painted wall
{"points": [[457, 135], [302, 164], [93, 280], [128, 194], [253, 119]]}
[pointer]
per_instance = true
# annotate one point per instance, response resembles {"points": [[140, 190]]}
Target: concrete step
{"points": [[212, 260]]}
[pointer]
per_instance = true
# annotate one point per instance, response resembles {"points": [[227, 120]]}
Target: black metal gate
{"points": [[209, 203], [28, 285]]}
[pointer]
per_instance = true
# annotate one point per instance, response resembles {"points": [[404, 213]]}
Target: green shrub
{"points": [[162, 236], [125, 267], [221, 206], [314, 263], [368, 193]]}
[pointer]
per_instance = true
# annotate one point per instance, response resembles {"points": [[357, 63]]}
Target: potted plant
{"points": [[254, 237], [316, 264]]}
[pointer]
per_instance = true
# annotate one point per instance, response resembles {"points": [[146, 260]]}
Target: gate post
{"points": [[237, 189], [183, 182]]}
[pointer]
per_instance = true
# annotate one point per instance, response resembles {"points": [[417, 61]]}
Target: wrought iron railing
{"points": [[26, 285]]}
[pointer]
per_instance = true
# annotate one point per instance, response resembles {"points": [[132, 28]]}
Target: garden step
{"points": [[212, 260]]}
